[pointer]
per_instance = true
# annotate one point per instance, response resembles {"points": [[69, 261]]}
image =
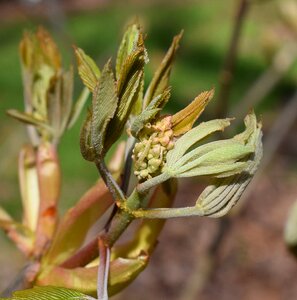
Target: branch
{"points": [[226, 76]]}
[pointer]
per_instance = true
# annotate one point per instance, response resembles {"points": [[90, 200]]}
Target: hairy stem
{"points": [[166, 213], [112, 185], [144, 187]]}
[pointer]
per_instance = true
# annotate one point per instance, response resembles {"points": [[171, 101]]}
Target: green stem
{"points": [[166, 213], [124, 217], [112, 185], [145, 186]]}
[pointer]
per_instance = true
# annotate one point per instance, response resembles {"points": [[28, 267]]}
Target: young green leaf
{"points": [[220, 158], [128, 86], [128, 44], [87, 69], [48, 293], [86, 148], [29, 119], [149, 112], [220, 196], [217, 199], [104, 105], [195, 135], [160, 80]]}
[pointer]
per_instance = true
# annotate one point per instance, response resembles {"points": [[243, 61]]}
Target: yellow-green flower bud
{"points": [[149, 154]]}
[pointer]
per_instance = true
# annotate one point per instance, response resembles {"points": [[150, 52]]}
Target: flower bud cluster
{"points": [[149, 154]]}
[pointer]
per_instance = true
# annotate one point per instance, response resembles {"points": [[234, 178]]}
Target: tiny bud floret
{"points": [[149, 154]]}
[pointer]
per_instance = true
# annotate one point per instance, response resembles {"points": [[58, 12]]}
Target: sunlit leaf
{"points": [[87, 69], [129, 83], [223, 193], [195, 135], [184, 120], [160, 79], [28, 119], [219, 158], [149, 112], [128, 44]]}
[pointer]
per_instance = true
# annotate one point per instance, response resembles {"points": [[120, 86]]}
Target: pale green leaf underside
{"points": [[193, 136]]}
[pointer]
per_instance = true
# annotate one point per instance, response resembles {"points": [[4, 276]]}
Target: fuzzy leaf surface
{"points": [[149, 112], [48, 293], [87, 69], [104, 105], [128, 44], [128, 87]]}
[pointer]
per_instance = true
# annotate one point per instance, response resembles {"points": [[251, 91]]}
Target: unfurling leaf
{"points": [[150, 112], [39, 49], [48, 293], [104, 105], [219, 197], [128, 44], [160, 79], [86, 148], [29, 119], [129, 82], [87, 69], [219, 159], [47, 88], [184, 120]]}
